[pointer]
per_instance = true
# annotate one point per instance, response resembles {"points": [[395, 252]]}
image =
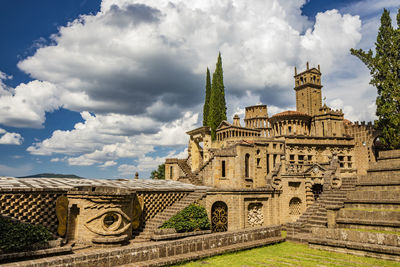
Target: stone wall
{"points": [[241, 205], [186, 249], [33, 206]]}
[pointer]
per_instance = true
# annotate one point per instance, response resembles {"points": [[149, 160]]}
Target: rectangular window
{"points": [[301, 159], [291, 159], [309, 158], [258, 162], [223, 168], [341, 161]]}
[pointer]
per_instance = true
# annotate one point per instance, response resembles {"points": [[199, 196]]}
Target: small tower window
{"points": [[223, 174], [246, 165]]}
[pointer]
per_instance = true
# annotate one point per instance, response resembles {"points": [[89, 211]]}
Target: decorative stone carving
{"points": [[138, 205], [109, 222], [103, 215], [62, 213], [255, 215]]}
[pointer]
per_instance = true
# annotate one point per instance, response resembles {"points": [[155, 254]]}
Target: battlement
{"points": [[359, 126], [257, 111]]}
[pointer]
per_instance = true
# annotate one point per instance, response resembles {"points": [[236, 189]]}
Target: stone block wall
{"points": [[171, 252], [35, 207], [246, 209], [358, 236]]}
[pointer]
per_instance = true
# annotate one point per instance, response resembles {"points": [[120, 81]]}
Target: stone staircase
{"points": [[189, 175], [316, 214], [369, 221], [154, 223]]}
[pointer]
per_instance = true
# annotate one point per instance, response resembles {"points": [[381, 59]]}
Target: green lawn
{"points": [[289, 254]]}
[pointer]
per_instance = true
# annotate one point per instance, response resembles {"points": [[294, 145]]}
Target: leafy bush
{"points": [[18, 236], [192, 218]]}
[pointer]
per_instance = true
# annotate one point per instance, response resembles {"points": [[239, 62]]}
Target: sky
{"points": [[104, 89]]}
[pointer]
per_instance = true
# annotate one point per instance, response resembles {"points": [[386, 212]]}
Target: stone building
{"points": [[274, 166]]}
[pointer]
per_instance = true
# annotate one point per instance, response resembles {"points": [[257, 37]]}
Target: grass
{"points": [[288, 254]]}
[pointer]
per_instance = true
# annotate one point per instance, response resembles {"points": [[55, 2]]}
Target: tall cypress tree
{"points": [[206, 107], [217, 111], [384, 67]]}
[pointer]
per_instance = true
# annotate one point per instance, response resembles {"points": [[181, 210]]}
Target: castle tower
{"points": [[308, 90], [256, 117]]}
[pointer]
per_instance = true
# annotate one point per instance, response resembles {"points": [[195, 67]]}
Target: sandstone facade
{"points": [[285, 154]]}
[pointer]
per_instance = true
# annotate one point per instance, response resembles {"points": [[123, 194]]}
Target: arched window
{"points": [[294, 206], [246, 165]]}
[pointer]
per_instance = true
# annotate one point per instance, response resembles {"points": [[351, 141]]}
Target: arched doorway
{"points": [[219, 217]]}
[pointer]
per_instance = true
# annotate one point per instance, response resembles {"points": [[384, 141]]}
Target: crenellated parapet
{"points": [[366, 142]]}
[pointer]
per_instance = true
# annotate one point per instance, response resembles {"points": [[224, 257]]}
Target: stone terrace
{"points": [[369, 223]]}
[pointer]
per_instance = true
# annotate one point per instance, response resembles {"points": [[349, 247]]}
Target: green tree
{"points": [[217, 111], [160, 172], [206, 106], [384, 67]]}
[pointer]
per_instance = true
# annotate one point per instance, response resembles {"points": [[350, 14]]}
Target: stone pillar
{"points": [[332, 214]]}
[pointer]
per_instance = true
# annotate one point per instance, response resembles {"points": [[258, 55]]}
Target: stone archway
{"points": [[219, 217]]}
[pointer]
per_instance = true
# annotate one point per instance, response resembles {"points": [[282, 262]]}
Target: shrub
{"points": [[18, 236], [192, 218]]}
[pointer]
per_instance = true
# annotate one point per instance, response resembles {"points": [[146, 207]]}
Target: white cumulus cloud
{"points": [[7, 138]]}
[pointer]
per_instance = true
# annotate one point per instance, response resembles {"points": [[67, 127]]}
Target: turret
{"points": [[308, 90]]}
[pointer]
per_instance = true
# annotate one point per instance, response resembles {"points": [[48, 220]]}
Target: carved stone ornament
{"points": [[137, 210], [336, 182], [277, 183], [62, 214], [255, 216], [109, 222]]}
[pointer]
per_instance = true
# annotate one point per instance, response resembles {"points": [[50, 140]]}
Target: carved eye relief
{"points": [[109, 222]]}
